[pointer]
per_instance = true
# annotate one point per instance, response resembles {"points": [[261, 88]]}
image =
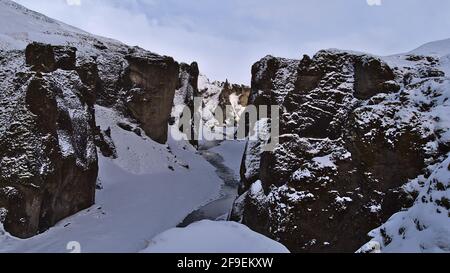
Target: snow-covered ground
{"points": [[232, 153], [141, 196], [213, 237], [437, 48]]}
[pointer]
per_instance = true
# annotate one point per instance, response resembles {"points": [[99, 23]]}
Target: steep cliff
{"points": [[187, 91], [358, 134], [48, 166], [150, 81], [51, 79]]}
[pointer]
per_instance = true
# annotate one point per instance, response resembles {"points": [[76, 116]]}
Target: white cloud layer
{"points": [[227, 37]]}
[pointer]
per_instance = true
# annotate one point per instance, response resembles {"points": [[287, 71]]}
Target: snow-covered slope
{"points": [[20, 26], [213, 237], [211, 94], [425, 227], [436, 48], [440, 49], [149, 188]]}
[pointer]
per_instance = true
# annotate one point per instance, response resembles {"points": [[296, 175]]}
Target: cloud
{"points": [[227, 37], [374, 2], [73, 2]]}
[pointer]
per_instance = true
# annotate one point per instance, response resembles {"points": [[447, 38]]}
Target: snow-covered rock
{"points": [[213, 237], [425, 227], [359, 136], [48, 158], [232, 99]]}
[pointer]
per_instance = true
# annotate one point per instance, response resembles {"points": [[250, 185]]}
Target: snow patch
{"points": [[213, 237]]}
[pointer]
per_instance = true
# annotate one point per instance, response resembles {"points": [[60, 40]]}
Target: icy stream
{"points": [[219, 208]]}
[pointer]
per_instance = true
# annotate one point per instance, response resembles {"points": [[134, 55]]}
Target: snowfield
{"points": [[232, 152], [213, 237]]}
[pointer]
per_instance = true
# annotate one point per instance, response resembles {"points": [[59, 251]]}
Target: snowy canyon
{"points": [[90, 149]]}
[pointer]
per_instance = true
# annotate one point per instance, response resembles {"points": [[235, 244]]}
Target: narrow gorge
{"points": [[96, 146]]}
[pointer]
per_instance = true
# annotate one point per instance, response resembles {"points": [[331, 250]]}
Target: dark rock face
{"points": [[152, 81], [352, 135], [89, 75], [49, 164], [372, 77], [105, 144], [187, 91], [187, 88], [188, 78], [48, 58]]}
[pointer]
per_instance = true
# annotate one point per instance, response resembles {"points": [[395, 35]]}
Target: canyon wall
{"points": [[359, 135]]}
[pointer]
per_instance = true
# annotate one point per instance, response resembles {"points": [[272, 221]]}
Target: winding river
{"points": [[221, 207]]}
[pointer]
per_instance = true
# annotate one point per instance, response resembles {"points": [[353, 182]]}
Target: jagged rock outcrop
{"points": [[230, 98], [236, 97], [48, 159], [354, 130], [185, 94], [48, 58], [218, 95], [104, 143], [151, 81]]}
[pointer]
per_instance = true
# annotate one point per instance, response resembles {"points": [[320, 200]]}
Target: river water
{"points": [[221, 207]]}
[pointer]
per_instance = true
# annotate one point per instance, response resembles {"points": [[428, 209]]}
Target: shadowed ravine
{"points": [[219, 208]]}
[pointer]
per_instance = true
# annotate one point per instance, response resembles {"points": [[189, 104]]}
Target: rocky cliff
{"points": [[48, 133], [230, 98], [149, 82], [358, 136], [186, 92], [48, 166]]}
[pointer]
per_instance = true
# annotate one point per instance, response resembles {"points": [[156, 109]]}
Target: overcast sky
{"points": [[227, 36]]}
